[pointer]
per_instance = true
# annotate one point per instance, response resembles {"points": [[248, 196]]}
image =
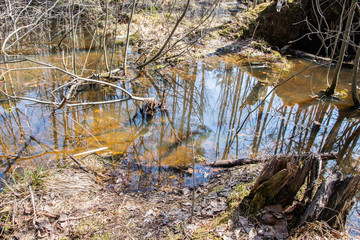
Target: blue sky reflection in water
{"points": [[208, 105]]}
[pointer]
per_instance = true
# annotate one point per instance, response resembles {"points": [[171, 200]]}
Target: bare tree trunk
{"points": [[168, 39], [128, 35], [104, 36], [354, 93], [330, 91], [114, 33], [336, 42], [72, 25]]}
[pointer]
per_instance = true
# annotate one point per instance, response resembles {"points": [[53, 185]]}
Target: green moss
{"points": [[106, 236], [169, 16], [135, 38], [240, 191], [151, 9], [89, 226], [159, 66], [203, 234], [217, 189]]}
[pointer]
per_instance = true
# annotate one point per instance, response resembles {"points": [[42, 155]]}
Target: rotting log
{"points": [[295, 183], [232, 162], [244, 161]]}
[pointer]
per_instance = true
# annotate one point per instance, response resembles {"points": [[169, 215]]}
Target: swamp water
{"points": [[216, 109]]}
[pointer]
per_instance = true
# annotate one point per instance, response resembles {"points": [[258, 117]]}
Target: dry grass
{"points": [[318, 231], [61, 197]]}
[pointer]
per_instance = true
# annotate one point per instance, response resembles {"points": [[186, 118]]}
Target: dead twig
{"points": [[193, 183], [80, 165], [33, 205]]}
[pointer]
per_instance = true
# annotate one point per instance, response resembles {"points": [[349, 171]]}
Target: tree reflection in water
{"points": [[208, 104]]}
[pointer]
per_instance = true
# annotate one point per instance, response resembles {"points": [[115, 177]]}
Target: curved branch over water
{"points": [[79, 80]]}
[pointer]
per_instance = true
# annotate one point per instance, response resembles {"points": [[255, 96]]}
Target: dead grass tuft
{"points": [[318, 231]]}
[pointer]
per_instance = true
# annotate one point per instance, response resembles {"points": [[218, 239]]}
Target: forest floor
{"points": [[69, 203], [73, 201]]}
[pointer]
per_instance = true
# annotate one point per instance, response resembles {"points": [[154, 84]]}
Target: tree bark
{"points": [[104, 35], [340, 202]]}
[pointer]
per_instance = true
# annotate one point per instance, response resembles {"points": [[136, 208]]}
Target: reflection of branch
{"points": [[11, 161]]}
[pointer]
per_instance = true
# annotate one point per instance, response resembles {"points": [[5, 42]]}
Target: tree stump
{"points": [[295, 184]]}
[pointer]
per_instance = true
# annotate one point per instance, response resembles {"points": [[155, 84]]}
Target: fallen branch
{"points": [[33, 204], [80, 165], [313, 57]]}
